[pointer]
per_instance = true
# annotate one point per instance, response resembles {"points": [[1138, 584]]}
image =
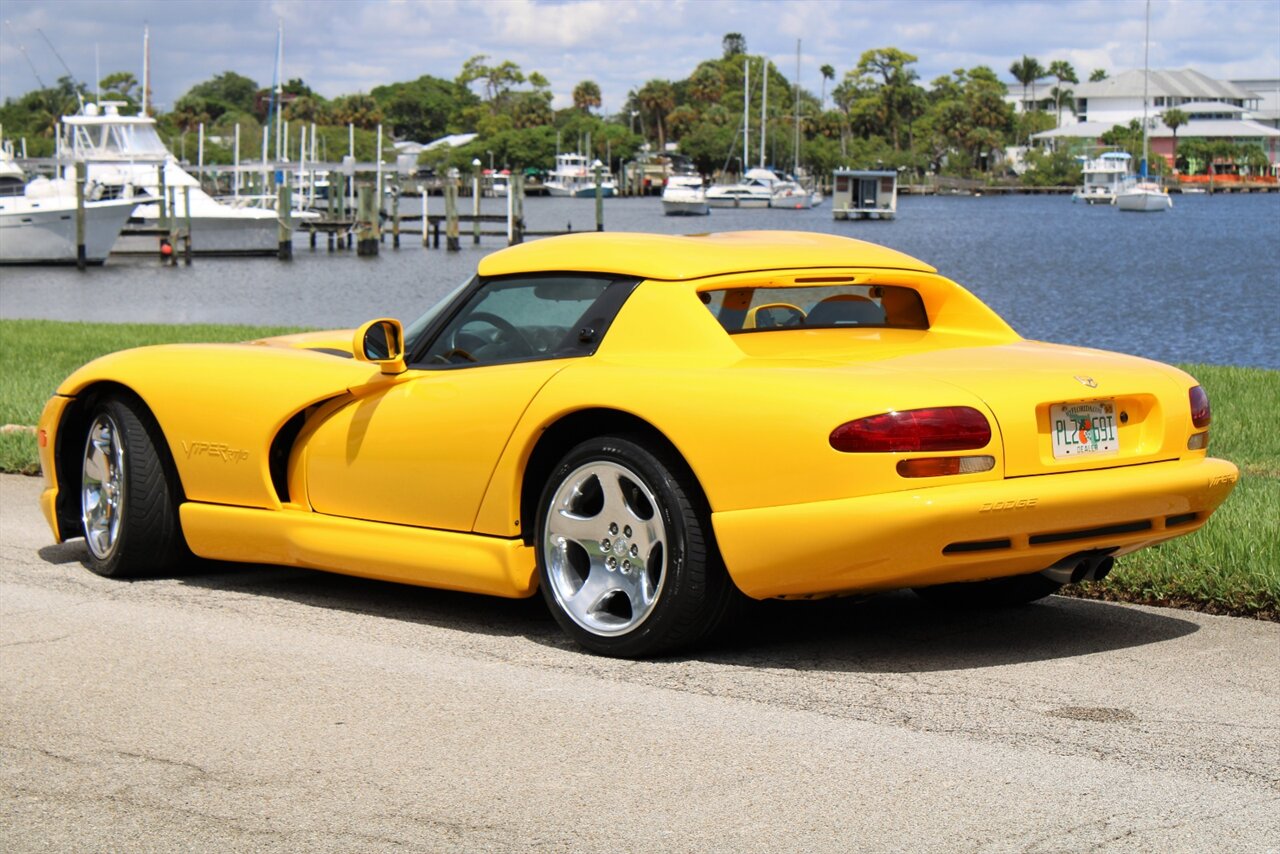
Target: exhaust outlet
{"points": [[1082, 566]]}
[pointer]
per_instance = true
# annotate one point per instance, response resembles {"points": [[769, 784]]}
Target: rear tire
{"points": [[627, 559], [994, 593], [128, 492]]}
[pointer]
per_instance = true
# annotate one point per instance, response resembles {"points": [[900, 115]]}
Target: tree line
{"points": [[877, 115]]}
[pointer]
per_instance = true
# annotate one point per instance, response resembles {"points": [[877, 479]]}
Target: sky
{"points": [[341, 47]]}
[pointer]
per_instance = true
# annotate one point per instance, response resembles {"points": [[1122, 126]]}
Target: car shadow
{"points": [[892, 632]]}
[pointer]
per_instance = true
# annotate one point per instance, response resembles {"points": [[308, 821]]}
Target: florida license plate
{"points": [[1080, 429]]}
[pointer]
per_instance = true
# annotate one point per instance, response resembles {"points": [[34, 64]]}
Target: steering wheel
{"points": [[795, 316], [501, 324]]}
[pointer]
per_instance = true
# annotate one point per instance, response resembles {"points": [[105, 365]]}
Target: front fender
{"points": [[221, 405]]}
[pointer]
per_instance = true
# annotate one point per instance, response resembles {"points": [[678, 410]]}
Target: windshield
{"points": [[834, 306], [413, 332]]}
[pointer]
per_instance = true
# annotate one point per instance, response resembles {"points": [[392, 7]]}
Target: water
{"points": [[1200, 283]]}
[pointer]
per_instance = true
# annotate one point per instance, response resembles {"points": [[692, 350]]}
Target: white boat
{"points": [[574, 176], [39, 225], [684, 195], [755, 190], [1102, 177], [790, 195], [1144, 194], [125, 153]]}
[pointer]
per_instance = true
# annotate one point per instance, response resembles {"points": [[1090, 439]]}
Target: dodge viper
{"points": [[648, 429]]}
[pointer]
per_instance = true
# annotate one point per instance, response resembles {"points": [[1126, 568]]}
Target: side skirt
{"points": [[445, 559]]}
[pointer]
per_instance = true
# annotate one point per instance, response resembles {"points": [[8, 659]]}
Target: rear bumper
{"points": [[966, 532]]}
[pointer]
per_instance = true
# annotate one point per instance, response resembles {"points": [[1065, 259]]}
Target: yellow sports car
{"points": [[646, 428]]}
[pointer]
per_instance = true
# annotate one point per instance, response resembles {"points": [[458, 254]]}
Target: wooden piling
{"points": [[81, 178], [173, 226], [284, 214], [162, 209], [475, 203], [451, 213], [425, 218], [599, 198], [366, 222], [186, 226], [395, 215]]}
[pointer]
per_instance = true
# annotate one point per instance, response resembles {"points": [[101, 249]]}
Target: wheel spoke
{"points": [[596, 546], [102, 486]]}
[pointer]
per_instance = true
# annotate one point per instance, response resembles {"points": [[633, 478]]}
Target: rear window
{"points": [[837, 306]]}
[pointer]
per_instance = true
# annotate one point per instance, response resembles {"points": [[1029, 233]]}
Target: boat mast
{"points": [[795, 166], [746, 114], [1146, 76], [278, 91], [146, 70], [764, 109]]}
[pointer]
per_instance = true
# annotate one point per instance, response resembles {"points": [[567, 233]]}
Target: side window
{"points": [[526, 318]]}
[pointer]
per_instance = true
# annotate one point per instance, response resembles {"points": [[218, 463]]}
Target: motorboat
{"points": [[684, 195], [788, 194], [1102, 177], [38, 225], [575, 176], [755, 190], [125, 156]]}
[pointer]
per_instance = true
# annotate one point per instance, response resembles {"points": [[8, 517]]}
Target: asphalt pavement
{"points": [[249, 708]]}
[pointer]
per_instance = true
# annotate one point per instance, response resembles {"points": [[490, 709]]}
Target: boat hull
{"points": [[588, 192], [47, 235], [1143, 202], [214, 234], [737, 202], [677, 208]]}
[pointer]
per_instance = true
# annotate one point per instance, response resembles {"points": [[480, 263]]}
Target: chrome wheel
{"points": [[102, 486], [605, 548]]}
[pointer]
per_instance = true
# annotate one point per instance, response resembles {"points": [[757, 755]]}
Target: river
{"points": [[1199, 283]]}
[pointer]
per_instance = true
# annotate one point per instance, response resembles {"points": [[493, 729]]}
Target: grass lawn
{"points": [[1231, 566]]}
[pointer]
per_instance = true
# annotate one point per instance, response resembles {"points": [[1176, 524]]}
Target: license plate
{"points": [[1080, 429]]}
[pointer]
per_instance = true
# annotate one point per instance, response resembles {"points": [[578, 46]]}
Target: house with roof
{"points": [[1216, 109]]}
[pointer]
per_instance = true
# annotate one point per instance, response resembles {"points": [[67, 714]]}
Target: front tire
{"points": [[627, 560], [128, 492]]}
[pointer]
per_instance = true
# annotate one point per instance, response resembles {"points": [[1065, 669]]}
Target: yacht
{"points": [[1103, 177], [125, 155], [684, 195], [755, 190], [38, 219], [574, 176]]}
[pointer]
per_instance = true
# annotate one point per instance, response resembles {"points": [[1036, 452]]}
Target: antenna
{"points": [[33, 66], [72, 77]]}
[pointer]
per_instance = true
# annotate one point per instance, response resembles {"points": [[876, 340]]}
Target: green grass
{"points": [[37, 355], [1230, 566]]}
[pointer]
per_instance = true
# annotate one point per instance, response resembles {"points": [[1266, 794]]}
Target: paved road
{"points": [[262, 709]]}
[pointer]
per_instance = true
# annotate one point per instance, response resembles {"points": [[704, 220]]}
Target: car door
{"points": [[420, 450]]}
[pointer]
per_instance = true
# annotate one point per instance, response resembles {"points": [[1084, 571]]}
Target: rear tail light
{"points": [[946, 428], [1200, 413]]}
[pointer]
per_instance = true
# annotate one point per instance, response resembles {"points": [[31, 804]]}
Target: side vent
{"points": [[281, 447]]}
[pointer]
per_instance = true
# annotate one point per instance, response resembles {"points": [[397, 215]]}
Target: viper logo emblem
{"points": [[1087, 381]]}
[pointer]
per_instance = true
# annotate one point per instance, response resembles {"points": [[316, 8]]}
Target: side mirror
{"points": [[380, 342]]}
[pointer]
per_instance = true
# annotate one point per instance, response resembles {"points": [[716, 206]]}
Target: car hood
{"points": [[334, 341]]}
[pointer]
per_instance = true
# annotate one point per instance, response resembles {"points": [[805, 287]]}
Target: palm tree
{"points": [[1062, 70], [828, 73], [586, 95], [1173, 120], [1027, 71], [1098, 75]]}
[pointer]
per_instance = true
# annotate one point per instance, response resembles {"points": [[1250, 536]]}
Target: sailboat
{"points": [[1143, 194]]}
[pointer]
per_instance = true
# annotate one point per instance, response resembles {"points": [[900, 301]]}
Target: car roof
{"points": [[694, 256]]}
